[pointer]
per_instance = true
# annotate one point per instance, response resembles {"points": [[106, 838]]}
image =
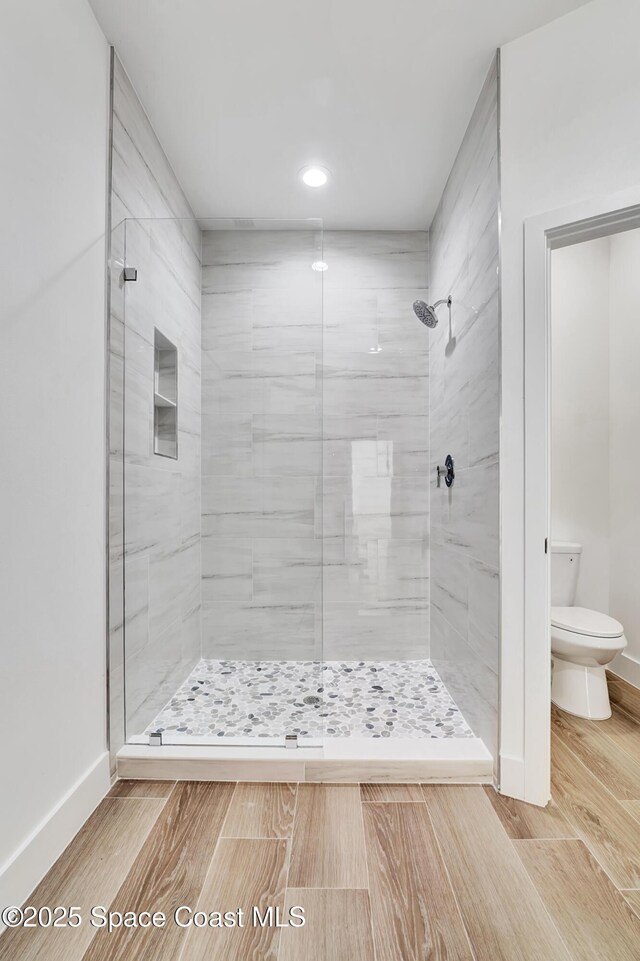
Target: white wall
{"points": [[625, 443], [53, 116], [580, 326], [569, 132]]}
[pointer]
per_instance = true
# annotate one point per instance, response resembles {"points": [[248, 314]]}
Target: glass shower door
{"points": [[222, 487]]}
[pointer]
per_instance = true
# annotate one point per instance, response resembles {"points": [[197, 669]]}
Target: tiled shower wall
{"points": [[464, 417], [315, 446], [161, 548]]}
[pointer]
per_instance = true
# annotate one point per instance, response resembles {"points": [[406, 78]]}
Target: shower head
{"points": [[426, 313]]}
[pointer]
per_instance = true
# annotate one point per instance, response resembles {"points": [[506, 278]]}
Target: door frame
{"points": [[588, 220]]}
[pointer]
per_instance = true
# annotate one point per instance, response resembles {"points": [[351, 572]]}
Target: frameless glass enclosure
{"points": [[222, 480], [270, 463]]}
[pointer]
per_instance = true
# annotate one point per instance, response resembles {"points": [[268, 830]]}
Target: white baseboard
{"points": [[28, 865], [626, 667]]}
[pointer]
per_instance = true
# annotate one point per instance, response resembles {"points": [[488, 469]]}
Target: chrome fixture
{"points": [[426, 313], [130, 273]]}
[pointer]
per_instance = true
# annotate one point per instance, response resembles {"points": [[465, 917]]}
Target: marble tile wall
{"points": [[155, 527], [314, 446], [464, 421]]}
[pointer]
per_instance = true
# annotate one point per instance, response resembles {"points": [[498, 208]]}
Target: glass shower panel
{"points": [[223, 481]]}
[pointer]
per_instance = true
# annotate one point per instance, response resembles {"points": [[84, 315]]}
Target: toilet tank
{"points": [[565, 567]]}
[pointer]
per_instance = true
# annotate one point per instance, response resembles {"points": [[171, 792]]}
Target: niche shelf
{"points": [[165, 397]]}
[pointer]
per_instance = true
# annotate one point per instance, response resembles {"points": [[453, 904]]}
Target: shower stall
{"points": [[270, 469]]}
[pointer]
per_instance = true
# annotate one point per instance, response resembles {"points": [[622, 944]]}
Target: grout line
{"points": [[341, 888], [366, 863], [231, 800], [451, 884], [518, 840], [197, 898], [286, 880], [565, 810]]}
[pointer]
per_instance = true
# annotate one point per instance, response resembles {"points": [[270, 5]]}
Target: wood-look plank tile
{"points": [[168, 872], [261, 811], [391, 792], [603, 755], [414, 911], [625, 695], [622, 728], [633, 899], [244, 873], [328, 838], [158, 789], [593, 918], [337, 927], [89, 872], [502, 912], [522, 820], [633, 807], [608, 829]]}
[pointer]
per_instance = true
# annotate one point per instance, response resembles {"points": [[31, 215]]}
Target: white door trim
{"points": [[529, 777]]}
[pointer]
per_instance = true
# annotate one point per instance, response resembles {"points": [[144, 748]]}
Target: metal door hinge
{"points": [[546, 545], [291, 740], [155, 739]]}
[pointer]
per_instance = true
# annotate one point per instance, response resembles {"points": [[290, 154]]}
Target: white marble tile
{"points": [[259, 506], [472, 684], [136, 602], [286, 632], [226, 443], [399, 330], [383, 633], [227, 320], [285, 319], [287, 570], [227, 569], [449, 571], [257, 381], [464, 421], [407, 440], [160, 510], [249, 259], [375, 506], [373, 572], [376, 259], [484, 592], [288, 443], [363, 383]]}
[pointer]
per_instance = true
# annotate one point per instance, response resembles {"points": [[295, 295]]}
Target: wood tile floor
{"points": [[384, 872]]}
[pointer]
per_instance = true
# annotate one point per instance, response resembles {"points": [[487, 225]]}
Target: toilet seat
{"points": [[581, 620]]}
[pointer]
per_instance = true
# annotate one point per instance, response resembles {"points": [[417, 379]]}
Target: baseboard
{"points": [[28, 865], [627, 668]]}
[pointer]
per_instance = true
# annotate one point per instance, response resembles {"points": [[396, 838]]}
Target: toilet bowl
{"points": [[583, 641]]}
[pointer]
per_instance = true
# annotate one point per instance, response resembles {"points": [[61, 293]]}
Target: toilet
{"points": [[582, 641]]}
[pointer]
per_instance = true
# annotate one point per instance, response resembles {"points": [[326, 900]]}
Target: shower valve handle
{"points": [[448, 471]]}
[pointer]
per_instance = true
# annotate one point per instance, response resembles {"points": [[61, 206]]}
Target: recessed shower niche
{"points": [[165, 397]]}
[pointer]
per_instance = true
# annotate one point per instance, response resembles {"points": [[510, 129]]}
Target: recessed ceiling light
{"points": [[319, 265], [314, 176]]}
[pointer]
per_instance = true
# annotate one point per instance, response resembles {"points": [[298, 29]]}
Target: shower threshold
{"points": [[334, 760], [362, 721]]}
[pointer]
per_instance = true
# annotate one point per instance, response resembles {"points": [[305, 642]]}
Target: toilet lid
{"points": [[581, 620]]}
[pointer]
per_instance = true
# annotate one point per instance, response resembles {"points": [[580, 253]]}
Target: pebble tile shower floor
{"points": [[349, 698]]}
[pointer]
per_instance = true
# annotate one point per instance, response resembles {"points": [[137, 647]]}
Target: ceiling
{"points": [[244, 93]]}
